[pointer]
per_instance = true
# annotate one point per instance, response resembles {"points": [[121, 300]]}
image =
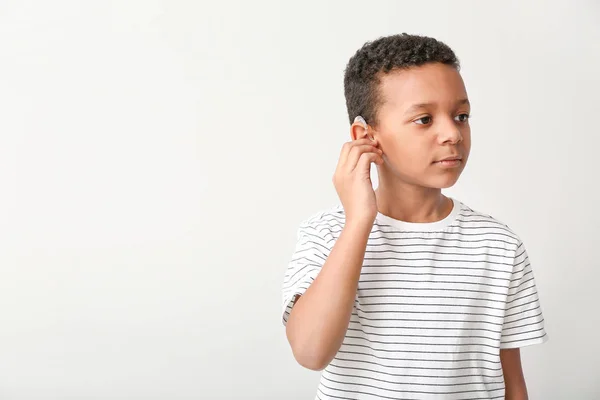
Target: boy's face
{"points": [[424, 119]]}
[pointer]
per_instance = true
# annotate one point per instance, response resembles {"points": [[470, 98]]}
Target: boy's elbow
{"points": [[309, 348], [310, 359], [308, 355]]}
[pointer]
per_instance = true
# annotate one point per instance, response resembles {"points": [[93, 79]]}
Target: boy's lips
{"points": [[450, 158], [451, 161]]}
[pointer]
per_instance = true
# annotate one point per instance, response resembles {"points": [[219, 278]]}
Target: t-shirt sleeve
{"points": [[313, 245], [523, 323]]}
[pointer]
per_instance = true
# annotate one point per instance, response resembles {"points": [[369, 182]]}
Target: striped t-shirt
{"points": [[435, 304]]}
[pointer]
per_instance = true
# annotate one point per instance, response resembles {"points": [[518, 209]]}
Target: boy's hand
{"points": [[352, 180]]}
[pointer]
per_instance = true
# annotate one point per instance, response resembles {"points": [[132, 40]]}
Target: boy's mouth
{"points": [[450, 158], [451, 161]]}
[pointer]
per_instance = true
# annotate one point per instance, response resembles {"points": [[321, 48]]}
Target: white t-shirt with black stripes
{"points": [[435, 304]]}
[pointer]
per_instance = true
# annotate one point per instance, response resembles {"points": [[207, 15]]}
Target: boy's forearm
{"points": [[515, 387], [319, 320]]}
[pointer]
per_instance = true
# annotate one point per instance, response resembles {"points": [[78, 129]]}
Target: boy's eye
{"points": [[466, 117], [423, 118]]}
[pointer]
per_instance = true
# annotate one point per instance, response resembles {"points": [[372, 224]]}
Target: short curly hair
{"points": [[363, 72]]}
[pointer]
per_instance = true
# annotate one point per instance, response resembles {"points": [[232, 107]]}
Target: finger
{"points": [[349, 145], [357, 152], [365, 160]]}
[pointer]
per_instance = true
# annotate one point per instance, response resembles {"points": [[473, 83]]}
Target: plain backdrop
{"points": [[157, 157]]}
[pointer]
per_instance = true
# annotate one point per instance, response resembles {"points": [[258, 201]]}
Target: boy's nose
{"points": [[451, 135]]}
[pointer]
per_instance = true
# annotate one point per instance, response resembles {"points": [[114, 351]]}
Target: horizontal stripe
{"points": [[331, 371], [334, 364], [364, 385], [439, 367]]}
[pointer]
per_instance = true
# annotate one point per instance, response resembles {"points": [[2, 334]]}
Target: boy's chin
{"points": [[431, 181], [442, 182]]}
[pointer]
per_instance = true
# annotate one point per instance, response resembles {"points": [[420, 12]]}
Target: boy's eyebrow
{"points": [[418, 106]]}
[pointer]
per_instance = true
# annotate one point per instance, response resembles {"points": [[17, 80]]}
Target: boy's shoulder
{"points": [[332, 216], [473, 219]]}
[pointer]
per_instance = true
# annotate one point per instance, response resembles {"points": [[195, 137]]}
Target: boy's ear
{"points": [[358, 131]]}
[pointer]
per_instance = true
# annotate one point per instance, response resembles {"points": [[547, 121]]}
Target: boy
{"points": [[402, 292]]}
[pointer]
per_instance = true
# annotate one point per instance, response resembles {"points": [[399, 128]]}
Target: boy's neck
{"points": [[413, 203]]}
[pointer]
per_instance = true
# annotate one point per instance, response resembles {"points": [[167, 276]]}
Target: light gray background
{"points": [[156, 159]]}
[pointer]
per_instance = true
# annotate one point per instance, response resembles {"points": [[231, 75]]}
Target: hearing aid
{"points": [[362, 121]]}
